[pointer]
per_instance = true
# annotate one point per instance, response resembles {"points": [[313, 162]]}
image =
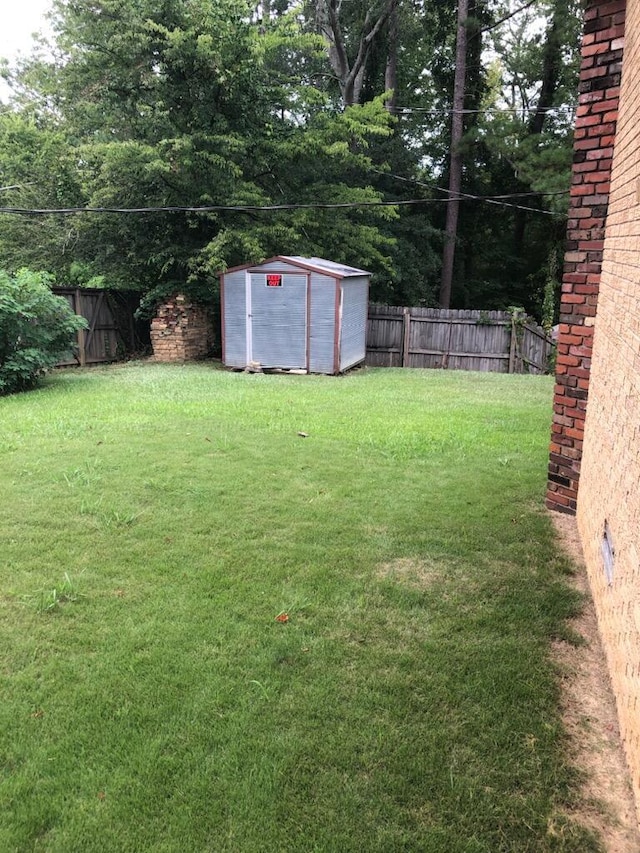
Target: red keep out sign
{"points": [[274, 280]]}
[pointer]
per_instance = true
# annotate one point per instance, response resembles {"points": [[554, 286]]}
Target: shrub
{"points": [[36, 329]]}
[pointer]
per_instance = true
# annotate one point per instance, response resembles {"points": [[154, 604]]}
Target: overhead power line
{"points": [[505, 18], [490, 199], [218, 208], [267, 208], [491, 110], [494, 200], [419, 183]]}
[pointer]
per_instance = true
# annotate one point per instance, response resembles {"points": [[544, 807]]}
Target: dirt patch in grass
{"points": [[591, 720], [419, 574]]}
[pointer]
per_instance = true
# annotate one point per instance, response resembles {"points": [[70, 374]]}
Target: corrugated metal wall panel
{"points": [[279, 322], [323, 323], [353, 331], [235, 320]]}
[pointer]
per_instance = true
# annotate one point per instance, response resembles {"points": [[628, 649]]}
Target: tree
{"points": [[178, 104], [37, 170], [196, 103], [349, 60], [455, 166], [36, 329], [501, 258]]}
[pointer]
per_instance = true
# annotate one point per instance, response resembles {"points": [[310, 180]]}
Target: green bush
{"points": [[36, 329]]}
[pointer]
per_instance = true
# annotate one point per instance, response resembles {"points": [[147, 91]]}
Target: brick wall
{"points": [[181, 331], [610, 476], [602, 47]]}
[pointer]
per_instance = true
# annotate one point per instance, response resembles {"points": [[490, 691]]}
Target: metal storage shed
{"points": [[294, 313]]}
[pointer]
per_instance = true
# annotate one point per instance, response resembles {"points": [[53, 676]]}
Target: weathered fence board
{"points": [[455, 340], [111, 329]]}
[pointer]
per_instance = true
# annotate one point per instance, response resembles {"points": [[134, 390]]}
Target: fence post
{"points": [[445, 355], [406, 336], [512, 345], [82, 338]]}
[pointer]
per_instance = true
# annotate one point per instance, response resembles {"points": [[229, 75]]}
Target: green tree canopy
{"points": [[299, 105]]}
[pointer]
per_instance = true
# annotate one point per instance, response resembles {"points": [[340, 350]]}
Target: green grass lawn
{"points": [[155, 521]]}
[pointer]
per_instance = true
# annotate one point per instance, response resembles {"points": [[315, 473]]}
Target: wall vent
{"points": [[608, 553]]}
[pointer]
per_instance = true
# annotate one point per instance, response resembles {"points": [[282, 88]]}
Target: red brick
{"points": [[611, 33], [569, 360], [604, 106], [605, 130], [587, 289], [575, 432], [601, 153], [597, 245], [586, 144], [588, 120], [594, 49], [612, 7], [581, 189], [557, 499], [574, 278], [582, 213], [585, 351], [584, 167]]}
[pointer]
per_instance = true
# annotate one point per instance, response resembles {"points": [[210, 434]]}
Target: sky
{"points": [[18, 20]]}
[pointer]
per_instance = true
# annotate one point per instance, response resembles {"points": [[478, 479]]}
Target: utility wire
{"points": [[67, 211], [505, 18], [490, 110], [218, 208], [488, 200], [419, 183], [494, 199]]}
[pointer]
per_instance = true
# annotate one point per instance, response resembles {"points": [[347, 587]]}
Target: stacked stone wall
{"points": [[181, 331], [597, 113]]}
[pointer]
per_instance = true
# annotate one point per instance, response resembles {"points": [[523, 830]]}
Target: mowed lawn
{"points": [[156, 520]]}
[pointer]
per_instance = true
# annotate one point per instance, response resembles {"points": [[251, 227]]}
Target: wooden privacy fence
{"points": [[111, 331], [456, 340]]}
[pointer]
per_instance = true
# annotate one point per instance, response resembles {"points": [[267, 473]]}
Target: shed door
{"points": [[278, 318]]}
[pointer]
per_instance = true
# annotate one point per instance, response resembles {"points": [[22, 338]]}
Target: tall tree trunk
{"points": [[350, 74], [455, 168], [391, 69], [466, 246]]}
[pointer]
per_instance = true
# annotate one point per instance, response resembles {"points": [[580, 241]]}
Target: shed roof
{"points": [[315, 264]]}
